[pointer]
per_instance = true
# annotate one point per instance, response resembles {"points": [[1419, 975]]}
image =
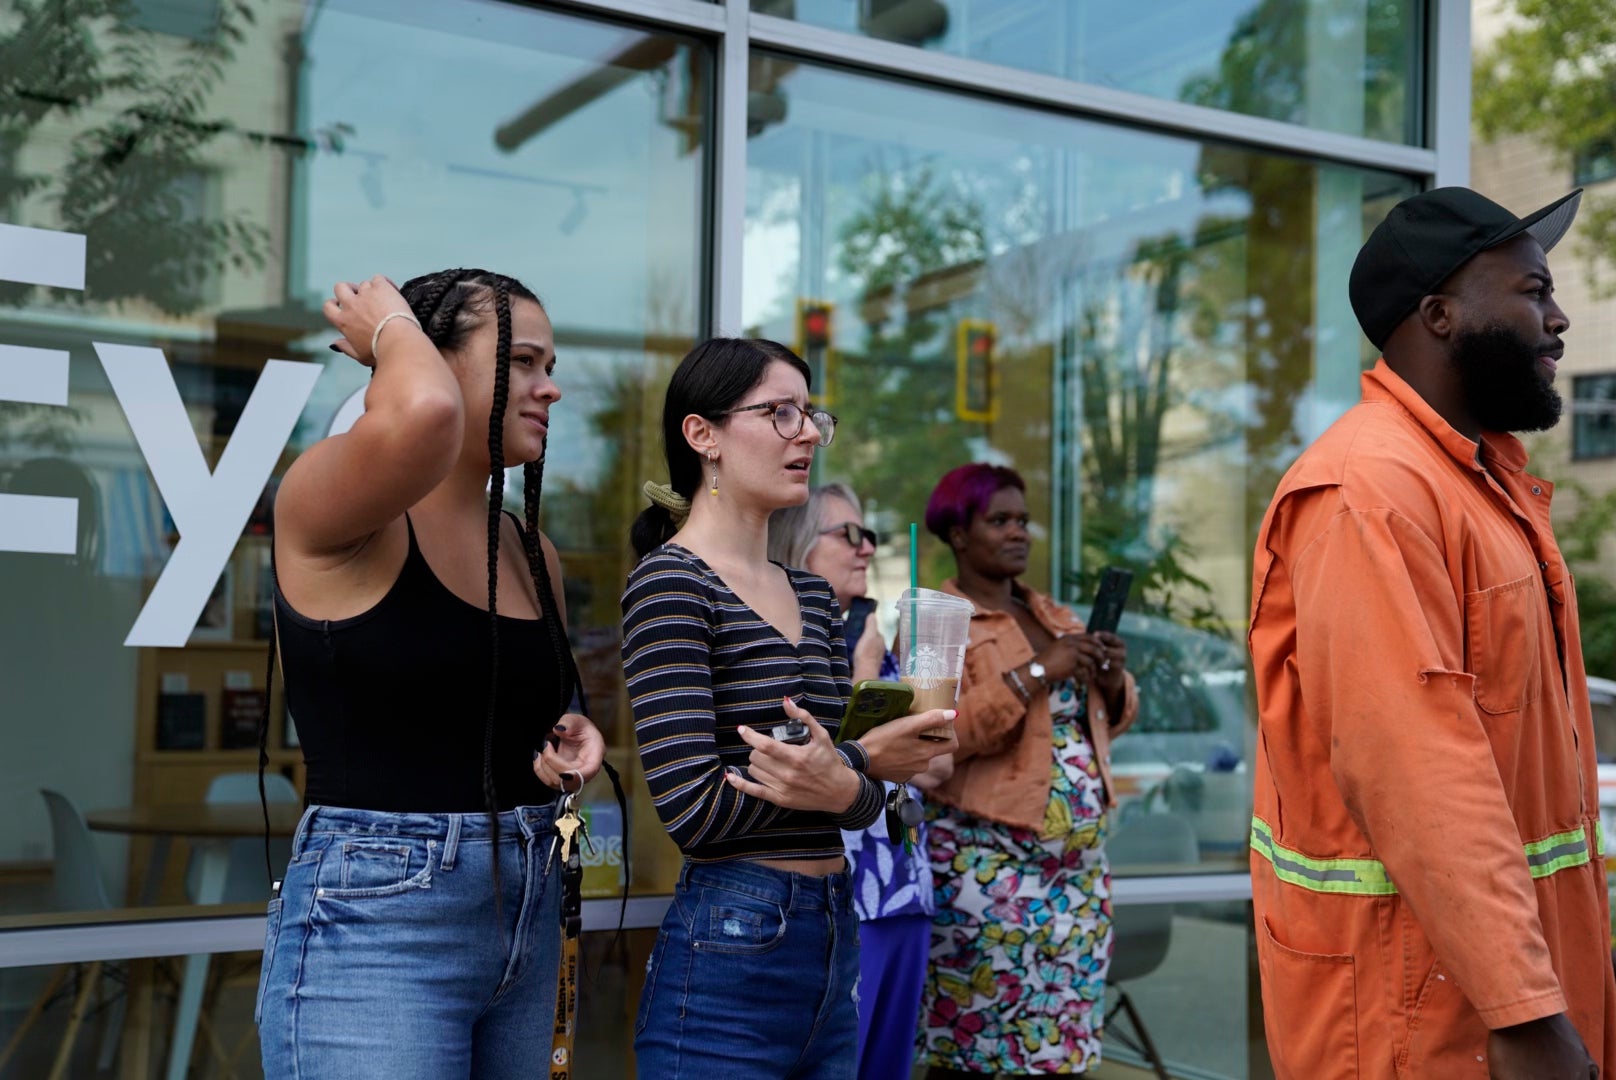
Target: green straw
{"points": [[914, 589]]}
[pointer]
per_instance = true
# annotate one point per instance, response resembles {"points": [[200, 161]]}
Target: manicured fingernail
{"points": [[333, 348], [561, 729], [537, 754], [742, 728], [949, 714]]}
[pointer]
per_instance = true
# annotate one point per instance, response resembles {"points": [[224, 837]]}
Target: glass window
{"points": [[134, 1022], [1594, 163], [1147, 328], [1348, 67], [1180, 967], [1593, 417], [567, 152]]}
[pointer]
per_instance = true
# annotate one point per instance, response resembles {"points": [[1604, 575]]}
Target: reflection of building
{"points": [[1133, 223]]}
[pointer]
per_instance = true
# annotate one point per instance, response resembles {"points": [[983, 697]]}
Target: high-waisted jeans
{"points": [[754, 976], [387, 957]]}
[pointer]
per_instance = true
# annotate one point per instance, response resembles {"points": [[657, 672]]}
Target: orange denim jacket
{"points": [[1426, 853], [1001, 769]]}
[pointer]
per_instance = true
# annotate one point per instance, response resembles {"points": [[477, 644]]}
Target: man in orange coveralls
{"points": [[1427, 862]]}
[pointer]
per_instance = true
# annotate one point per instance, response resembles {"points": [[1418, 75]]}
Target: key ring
{"points": [[576, 775]]}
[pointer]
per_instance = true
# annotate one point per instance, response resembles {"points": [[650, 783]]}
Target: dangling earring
{"points": [[713, 459]]}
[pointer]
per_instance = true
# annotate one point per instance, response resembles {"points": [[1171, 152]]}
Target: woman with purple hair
{"points": [[1022, 938]]}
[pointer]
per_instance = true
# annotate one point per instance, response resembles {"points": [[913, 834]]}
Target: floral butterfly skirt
{"points": [[1022, 937]]}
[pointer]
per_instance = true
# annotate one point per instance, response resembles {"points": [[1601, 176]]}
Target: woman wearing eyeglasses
{"points": [[738, 678], [892, 890]]}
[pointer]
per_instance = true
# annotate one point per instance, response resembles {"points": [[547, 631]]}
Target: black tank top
{"points": [[390, 705]]}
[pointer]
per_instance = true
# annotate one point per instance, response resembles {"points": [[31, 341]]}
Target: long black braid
{"points": [[496, 503], [532, 487]]}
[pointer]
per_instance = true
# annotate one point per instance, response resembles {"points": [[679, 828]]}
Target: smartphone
{"points": [[874, 703], [1109, 600]]}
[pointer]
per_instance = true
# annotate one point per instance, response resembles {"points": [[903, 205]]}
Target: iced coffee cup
{"points": [[933, 630]]}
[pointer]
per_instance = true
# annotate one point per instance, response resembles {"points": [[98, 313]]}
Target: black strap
{"points": [[263, 721], [580, 705]]}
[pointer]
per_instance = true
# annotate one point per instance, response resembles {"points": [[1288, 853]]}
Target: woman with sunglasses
{"points": [[738, 678], [892, 890]]}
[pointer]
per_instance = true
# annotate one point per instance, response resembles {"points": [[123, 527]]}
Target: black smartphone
{"points": [[1109, 600], [874, 703]]}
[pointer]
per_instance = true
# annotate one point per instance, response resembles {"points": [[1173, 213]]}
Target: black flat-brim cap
{"points": [[1426, 238]]}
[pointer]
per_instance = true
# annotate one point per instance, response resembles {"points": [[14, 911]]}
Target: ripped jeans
{"points": [[754, 976]]}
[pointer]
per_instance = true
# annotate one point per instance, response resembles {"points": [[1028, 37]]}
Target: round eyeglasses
{"points": [[789, 419], [855, 535]]}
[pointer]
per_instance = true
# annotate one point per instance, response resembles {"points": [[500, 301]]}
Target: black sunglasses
{"points": [[855, 535]]}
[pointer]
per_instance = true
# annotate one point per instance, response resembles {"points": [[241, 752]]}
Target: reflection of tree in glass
{"points": [[1136, 325], [38, 428], [915, 242], [135, 176], [1270, 66], [926, 251]]}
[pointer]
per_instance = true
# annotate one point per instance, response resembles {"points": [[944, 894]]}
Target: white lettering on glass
{"points": [[209, 509], [349, 414], [38, 524], [42, 257]]}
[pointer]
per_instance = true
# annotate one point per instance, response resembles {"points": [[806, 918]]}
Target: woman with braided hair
{"points": [[423, 640]]}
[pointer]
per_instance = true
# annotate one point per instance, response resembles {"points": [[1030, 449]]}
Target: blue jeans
{"points": [[384, 957], [754, 976]]}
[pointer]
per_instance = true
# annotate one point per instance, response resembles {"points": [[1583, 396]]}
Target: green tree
{"points": [[1581, 537], [1552, 74]]}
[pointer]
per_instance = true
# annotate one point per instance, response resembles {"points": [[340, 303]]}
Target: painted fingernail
{"points": [[949, 714], [333, 348], [742, 728], [560, 728], [537, 754]]}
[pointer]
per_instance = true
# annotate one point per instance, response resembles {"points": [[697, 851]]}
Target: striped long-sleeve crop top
{"points": [[699, 662]]}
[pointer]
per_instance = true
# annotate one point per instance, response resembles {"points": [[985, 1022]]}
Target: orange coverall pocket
{"points": [[1502, 636], [1310, 1011]]}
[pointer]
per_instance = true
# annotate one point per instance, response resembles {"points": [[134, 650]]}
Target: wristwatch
{"points": [[1036, 670]]}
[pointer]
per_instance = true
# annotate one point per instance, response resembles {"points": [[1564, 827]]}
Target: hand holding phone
{"points": [[874, 703]]}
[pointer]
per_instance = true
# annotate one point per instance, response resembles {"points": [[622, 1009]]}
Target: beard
{"points": [[1502, 383]]}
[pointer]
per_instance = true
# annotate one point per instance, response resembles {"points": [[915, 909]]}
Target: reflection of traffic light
{"points": [[816, 326], [976, 390]]}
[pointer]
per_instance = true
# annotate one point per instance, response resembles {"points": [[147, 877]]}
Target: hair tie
{"points": [[670, 500]]}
